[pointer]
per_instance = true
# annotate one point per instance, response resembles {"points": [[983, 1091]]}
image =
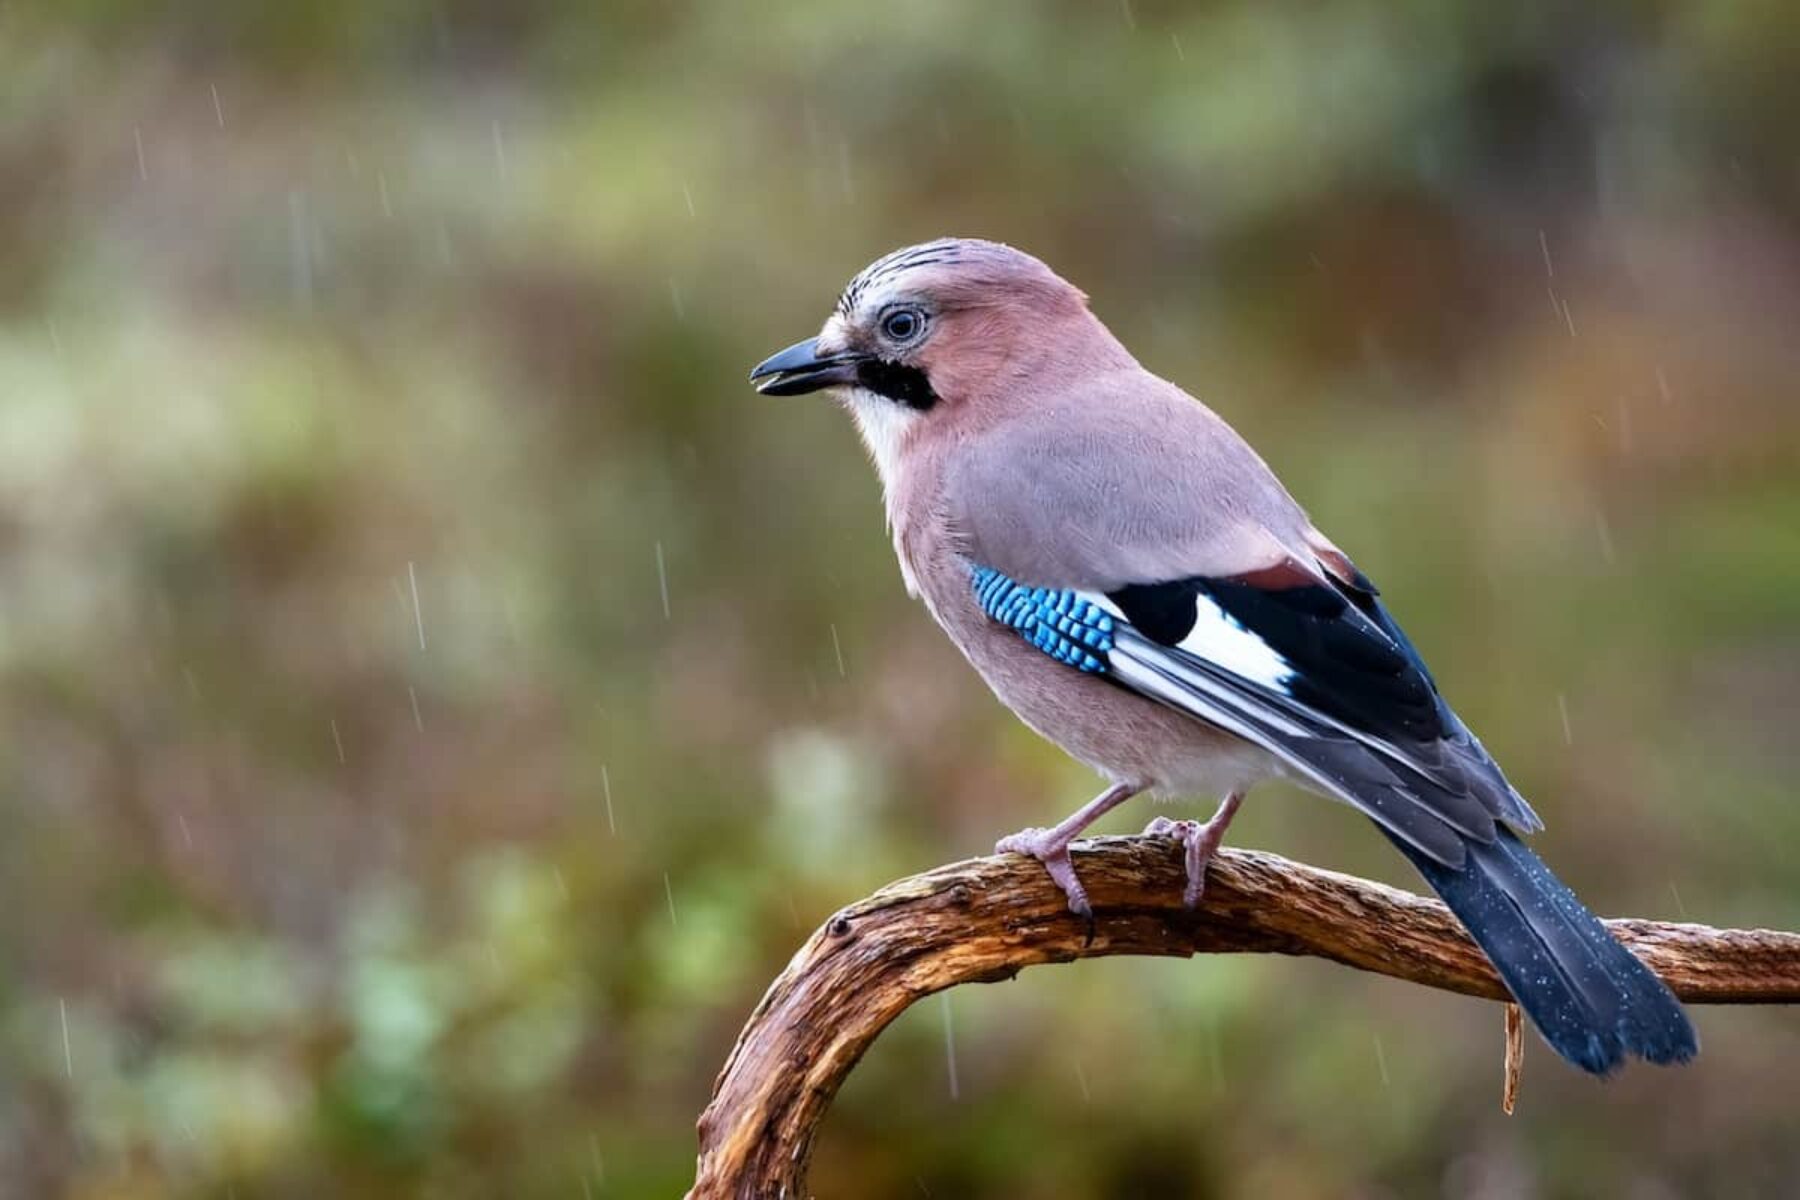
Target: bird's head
{"points": [[934, 329]]}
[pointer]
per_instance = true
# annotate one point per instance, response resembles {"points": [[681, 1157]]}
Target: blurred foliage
{"points": [[438, 695]]}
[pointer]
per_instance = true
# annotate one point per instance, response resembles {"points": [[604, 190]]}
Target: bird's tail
{"points": [[1591, 998]]}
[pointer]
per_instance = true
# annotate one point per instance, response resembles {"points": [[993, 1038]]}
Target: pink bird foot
{"points": [[1051, 846], [1201, 840]]}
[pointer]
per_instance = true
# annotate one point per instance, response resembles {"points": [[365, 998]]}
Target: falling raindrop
{"points": [[300, 266], [218, 109], [1214, 1059], [137, 133], [662, 579], [837, 648], [1562, 707], [412, 578], [1544, 244], [413, 695], [844, 180], [68, 1054], [687, 196], [501, 166], [606, 791], [336, 740], [950, 1048], [1381, 1062], [1604, 530], [669, 893]]}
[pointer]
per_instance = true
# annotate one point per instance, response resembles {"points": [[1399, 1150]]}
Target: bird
{"points": [[1131, 579]]}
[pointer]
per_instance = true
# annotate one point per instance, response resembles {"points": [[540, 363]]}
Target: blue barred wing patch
{"points": [[1062, 623]]}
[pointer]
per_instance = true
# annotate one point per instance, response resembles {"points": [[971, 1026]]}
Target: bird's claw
{"points": [[1053, 851], [1199, 839]]}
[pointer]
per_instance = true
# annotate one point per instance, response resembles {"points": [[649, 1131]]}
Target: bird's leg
{"points": [[1051, 846], [1200, 839]]}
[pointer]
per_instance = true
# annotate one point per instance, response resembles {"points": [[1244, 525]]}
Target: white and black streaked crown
{"points": [[890, 266]]}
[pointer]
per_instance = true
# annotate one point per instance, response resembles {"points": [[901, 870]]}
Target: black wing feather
{"points": [[1354, 670], [1348, 666], [1361, 716]]}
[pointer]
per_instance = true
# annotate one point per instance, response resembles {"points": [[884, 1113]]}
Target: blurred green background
{"points": [[438, 695]]}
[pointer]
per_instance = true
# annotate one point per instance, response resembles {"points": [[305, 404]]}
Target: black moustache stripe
{"points": [[898, 382]]}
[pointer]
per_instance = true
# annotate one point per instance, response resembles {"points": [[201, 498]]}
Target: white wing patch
{"points": [[1219, 639]]}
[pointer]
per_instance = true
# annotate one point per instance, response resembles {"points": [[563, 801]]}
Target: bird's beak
{"points": [[800, 369]]}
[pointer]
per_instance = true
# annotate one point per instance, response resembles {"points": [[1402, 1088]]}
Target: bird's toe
{"points": [[1053, 852], [1030, 841]]}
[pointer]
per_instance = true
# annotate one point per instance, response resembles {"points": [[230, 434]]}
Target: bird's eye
{"points": [[903, 324]]}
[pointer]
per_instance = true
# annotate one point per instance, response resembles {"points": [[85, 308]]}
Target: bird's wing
{"points": [[1076, 494], [1227, 607]]}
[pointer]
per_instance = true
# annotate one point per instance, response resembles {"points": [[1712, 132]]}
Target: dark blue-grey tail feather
{"points": [[1591, 998]]}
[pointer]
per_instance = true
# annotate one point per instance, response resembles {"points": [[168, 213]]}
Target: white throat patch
{"points": [[883, 424]]}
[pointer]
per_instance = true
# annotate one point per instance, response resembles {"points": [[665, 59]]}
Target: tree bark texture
{"points": [[987, 919]]}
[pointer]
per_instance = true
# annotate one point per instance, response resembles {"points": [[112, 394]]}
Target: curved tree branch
{"points": [[988, 918]]}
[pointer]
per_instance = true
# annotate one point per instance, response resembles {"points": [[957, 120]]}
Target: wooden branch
{"points": [[987, 919]]}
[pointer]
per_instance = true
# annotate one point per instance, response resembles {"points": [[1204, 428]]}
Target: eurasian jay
{"points": [[1131, 579]]}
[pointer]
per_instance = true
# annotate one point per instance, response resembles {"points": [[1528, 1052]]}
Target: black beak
{"points": [[799, 369]]}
